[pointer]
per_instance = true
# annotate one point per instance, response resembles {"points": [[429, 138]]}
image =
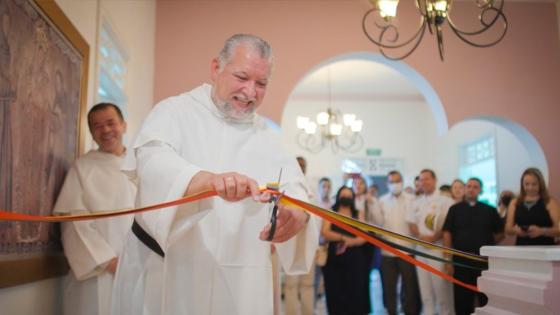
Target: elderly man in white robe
{"points": [[212, 256], [95, 183]]}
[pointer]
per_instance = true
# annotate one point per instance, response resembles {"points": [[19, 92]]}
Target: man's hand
{"points": [[289, 222], [234, 187], [230, 186], [112, 265]]}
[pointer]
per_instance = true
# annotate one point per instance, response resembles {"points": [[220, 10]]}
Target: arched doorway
{"points": [[404, 122], [379, 92]]}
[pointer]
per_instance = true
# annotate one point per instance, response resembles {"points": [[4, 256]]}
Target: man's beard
{"points": [[236, 114]]}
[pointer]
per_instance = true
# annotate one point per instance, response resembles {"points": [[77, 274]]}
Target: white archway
{"points": [[438, 123], [425, 88], [534, 149], [412, 91]]}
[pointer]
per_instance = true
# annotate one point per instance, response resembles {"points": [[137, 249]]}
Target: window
{"points": [[478, 159], [112, 69]]}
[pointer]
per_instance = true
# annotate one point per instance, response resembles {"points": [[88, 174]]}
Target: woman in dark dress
{"points": [[345, 284], [533, 216]]}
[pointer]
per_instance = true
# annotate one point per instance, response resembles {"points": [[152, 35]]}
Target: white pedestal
{"points": [[521, 280]]}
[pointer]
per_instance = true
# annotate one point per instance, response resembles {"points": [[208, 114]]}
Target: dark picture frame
{"points": [[43, 93]]}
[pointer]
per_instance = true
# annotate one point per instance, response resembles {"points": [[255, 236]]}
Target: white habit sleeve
{"points": [[163, 176], [86, 250]]}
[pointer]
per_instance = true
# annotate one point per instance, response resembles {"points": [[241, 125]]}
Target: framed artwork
{"points": [[43, 85]]}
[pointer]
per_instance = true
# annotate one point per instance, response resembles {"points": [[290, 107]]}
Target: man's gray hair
{"points": [[255, 43]]}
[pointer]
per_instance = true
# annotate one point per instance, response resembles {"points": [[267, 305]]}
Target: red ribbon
{"points": [[13, 216]]}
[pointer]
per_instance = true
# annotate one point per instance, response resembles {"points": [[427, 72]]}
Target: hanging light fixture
{"points": [[330, 127], [383, 32]]}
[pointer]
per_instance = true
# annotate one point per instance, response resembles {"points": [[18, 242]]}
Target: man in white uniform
{"points": [[95, 183], [391, 214], [426, 222], [208, 257]]}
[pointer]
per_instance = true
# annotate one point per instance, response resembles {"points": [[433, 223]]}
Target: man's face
{"points": [[240, 86], [472, 190], [427, 182], [394, 179], [325, 189], [394, 183], [107, 130]]}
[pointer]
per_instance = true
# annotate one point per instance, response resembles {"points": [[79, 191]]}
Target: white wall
{"points": [[407, 131], [402, 127], [41, 297], [402, 130], [134, 22], [512, 158]]}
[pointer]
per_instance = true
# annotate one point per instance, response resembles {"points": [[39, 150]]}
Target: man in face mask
{"points": [[391, 214]]}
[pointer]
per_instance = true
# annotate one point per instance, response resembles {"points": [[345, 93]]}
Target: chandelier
{"points": [[383, 32], [330, 128]]}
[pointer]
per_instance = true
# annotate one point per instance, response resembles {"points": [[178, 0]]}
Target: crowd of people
{"points": [[451, 215], [221, 255]]}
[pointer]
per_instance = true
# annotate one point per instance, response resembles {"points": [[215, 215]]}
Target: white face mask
{"points": [[395, 188]]}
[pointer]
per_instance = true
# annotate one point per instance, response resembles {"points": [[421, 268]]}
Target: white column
{"points": [[521, 280]]}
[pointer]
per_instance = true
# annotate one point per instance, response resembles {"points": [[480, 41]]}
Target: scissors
{"points": [[274, 199]]}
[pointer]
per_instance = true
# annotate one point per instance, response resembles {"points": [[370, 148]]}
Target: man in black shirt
{"points": [[469, 225]]}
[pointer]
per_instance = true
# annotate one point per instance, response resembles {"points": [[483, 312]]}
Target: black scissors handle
{"points": [[273, 221], [274, 199]]}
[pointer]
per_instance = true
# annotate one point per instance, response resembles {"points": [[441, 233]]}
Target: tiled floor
{"points": [[376, 297]]}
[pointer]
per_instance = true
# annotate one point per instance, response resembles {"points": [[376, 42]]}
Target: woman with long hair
{"points": [[346, 287], [533, 216]]}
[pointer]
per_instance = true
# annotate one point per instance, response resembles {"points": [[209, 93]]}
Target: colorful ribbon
{"points": [[351, 225], [13, 216], [378, 230], [357, 232], [425, 255]]}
